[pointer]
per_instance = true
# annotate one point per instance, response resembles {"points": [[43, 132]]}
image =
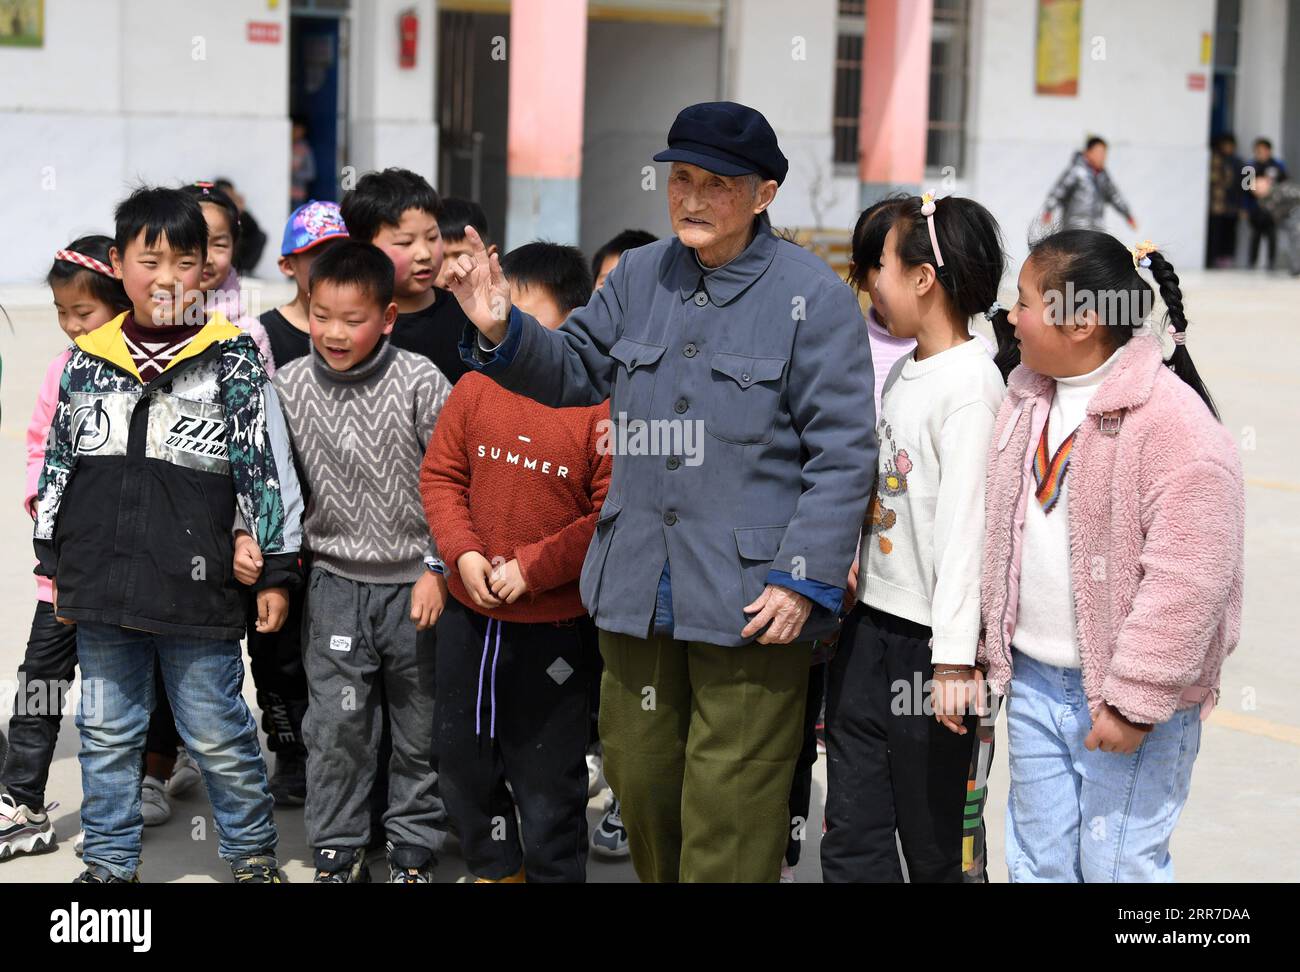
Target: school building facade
{"points": [[548, 111]]}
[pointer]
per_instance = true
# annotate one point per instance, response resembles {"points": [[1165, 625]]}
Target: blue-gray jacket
{"points": [[768, 360]]}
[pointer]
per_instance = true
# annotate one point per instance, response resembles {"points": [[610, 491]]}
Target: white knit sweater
{"points": [[921, 555]]}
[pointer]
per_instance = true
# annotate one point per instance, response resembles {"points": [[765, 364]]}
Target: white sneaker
{"points": [[595, 763], [79, 843], [185, 774], [23, 830], [154, 806], [787, 874]]}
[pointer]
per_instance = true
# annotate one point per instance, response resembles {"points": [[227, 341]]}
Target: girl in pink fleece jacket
{"points": [[1112, 575], [86, 296]]}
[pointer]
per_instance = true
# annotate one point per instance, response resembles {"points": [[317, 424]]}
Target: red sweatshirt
{"points": [[510, 478]]}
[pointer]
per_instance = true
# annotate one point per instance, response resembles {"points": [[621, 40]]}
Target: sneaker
{"points": [[79, 843], [289, 784], [595, 763], [154, 805], [409, 865], [257, 869], [787, 874], [185, 774], [23, 830], [609, 839], [341, 865], [94, 874]]}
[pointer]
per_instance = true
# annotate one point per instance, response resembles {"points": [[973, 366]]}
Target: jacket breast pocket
{"points": [[743, 397], [635, 383]]}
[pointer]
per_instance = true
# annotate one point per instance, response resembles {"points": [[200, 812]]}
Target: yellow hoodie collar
{"points": [[108, 343]]}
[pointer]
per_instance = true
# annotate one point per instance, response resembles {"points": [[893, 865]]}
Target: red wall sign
{"points": [[263, 32], [1196, 82]]}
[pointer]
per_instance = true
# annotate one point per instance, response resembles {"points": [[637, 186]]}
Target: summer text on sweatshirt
{"points": [[1045, 626], [921, 558], [510, 478], [360, 436]]}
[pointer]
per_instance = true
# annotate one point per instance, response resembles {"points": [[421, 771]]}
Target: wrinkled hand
{"points": [[272, 609], [428, 598], [476, 573], [1112, 733], [508, 581], [248, 559], [475, 278], [786, 610]]}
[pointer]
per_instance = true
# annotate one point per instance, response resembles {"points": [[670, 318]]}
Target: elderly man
{"points": [[711, 570]]}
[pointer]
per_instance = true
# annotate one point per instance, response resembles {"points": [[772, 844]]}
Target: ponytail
{"points": [[1180, 362], [1007, 357]]}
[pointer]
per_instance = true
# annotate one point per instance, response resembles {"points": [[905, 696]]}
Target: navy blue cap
{"points": [[726, 138]]}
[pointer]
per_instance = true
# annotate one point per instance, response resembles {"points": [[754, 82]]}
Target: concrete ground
{"points": [[1238, 825]]}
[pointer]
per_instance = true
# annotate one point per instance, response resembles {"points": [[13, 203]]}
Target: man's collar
{"points": [[727, 282]]}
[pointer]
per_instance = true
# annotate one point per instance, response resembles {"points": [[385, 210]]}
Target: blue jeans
{"points": [[1075, 815], [203, 678]]}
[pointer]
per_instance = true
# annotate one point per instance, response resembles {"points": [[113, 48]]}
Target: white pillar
{"points": [[392, 107]]}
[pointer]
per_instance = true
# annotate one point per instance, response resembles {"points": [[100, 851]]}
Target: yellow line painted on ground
{"points": [[1273, 484], [1256, 726]]}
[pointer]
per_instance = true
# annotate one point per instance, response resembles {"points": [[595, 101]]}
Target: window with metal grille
{"points": [[949, 72]]}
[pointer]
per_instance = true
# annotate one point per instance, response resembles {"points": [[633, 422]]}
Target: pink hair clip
{"points": [[927, 210]]}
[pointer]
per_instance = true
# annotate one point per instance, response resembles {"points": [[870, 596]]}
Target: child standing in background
{"points": [[1113, 567], [397, 210], [310, 230]]}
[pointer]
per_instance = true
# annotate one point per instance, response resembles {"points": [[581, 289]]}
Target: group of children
{"points": [[401, 539]]}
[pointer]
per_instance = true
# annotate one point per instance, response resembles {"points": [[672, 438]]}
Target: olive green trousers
{"points": [[700, 746]]}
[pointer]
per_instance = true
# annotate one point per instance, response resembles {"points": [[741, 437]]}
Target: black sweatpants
{"points": [[801, 787], [45, 676], [279, 679], [514, 704], [890, 766]]}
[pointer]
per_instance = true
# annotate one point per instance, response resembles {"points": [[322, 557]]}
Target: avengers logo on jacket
{"points": [[100, 422]]}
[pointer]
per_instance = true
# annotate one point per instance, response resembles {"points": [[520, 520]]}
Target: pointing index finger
{"points": [[477, 248]]}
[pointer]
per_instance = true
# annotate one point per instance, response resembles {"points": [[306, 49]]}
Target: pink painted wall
{"points": [[547, 56], [895, 91]]}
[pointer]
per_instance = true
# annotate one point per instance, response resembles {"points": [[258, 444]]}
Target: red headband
{"points": [[90, 263]]}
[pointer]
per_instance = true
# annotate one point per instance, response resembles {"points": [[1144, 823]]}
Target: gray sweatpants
{"points": [[360, 651]]}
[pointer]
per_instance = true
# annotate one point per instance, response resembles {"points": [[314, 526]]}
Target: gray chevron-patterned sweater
{"points": [[359, 437]]}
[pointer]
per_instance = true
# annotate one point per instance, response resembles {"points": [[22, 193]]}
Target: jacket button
{"points": [[681, 406], [701, 299], [744, 377], [673, 462], [690, 350], [670, 518]]}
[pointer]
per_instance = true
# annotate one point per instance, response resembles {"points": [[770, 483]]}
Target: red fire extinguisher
{"points": [[408, 26]]}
